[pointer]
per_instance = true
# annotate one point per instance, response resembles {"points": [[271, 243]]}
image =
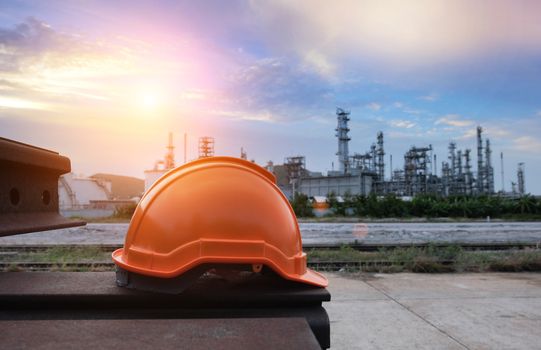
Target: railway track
{"points": [[53, 266], [11, 253], [109, 266], [365, 247]]}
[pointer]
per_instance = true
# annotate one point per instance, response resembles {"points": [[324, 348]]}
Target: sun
{"points": [[150, 100]]}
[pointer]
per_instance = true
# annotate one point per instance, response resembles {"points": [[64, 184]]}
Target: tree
{"points": [[526, 204], [336, 207], [301, 205]]}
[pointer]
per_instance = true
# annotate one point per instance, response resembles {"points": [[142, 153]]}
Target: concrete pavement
{"points": [[435, 311]]}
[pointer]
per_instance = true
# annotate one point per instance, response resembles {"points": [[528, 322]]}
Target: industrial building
{"points": [[77, 192], [364, 173], [88, 197]]}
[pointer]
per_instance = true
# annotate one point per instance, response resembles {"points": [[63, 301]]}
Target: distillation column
{"points": [[480, 168], [489, 170], [343, 140], [520, 175]]}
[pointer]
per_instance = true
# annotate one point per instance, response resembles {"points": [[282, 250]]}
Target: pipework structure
{"points": [[296, 168], [364, 173], [417, 168], [206, 147], [169, 159], [520, 178], [458, 179], [380, 153], [489, 170]]}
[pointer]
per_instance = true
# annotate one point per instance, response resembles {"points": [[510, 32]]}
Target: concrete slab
{"points": [[450, 286], [382, 324], [352, 288], [436, 311], [499, 323]]}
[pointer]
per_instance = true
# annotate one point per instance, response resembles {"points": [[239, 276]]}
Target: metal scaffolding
{"points": [[417, 162], [206, 147], [296, 168]]}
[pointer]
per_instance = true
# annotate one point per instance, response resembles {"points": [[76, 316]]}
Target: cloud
{"points": [[320, 64], [263, 116], [454, 120], [399, 123], [429, 98], [527, 144], [374, 106], [278, 86], [468, 134], [36, 42], [402, 33], [39, 63], [18, 103], [407, 109], [194, 94]]}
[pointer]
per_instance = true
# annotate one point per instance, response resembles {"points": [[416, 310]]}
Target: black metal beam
{"points": [[29, 189], [94, 295], [243, 333]]}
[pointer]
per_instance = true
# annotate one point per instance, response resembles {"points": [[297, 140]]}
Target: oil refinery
{"points": [[364, 173]]}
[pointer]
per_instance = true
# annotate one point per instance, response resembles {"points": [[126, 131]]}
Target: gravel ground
{"points": [[475, 232]]}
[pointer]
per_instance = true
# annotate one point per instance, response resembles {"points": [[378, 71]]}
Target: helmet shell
{"points": [[215, 210]]}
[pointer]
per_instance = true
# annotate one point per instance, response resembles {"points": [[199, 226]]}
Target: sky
{"points": [[104, 82]]}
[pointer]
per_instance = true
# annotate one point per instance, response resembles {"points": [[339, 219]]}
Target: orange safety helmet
{"points": [[215, 210]]}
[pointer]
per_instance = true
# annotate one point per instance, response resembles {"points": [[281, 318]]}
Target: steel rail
{"points": [[109, 266], [366, 247]]}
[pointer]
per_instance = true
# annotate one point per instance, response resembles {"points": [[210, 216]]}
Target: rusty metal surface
{"points": [[29, 188], [94, 295], [242, 333]]}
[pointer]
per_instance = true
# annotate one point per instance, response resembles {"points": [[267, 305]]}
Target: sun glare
{"points": [[150, 100]]}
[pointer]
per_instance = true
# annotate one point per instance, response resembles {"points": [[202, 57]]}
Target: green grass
{"points": [[434, 259], [60, 255], [106, 220], [121, 219], [430, 259]]}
